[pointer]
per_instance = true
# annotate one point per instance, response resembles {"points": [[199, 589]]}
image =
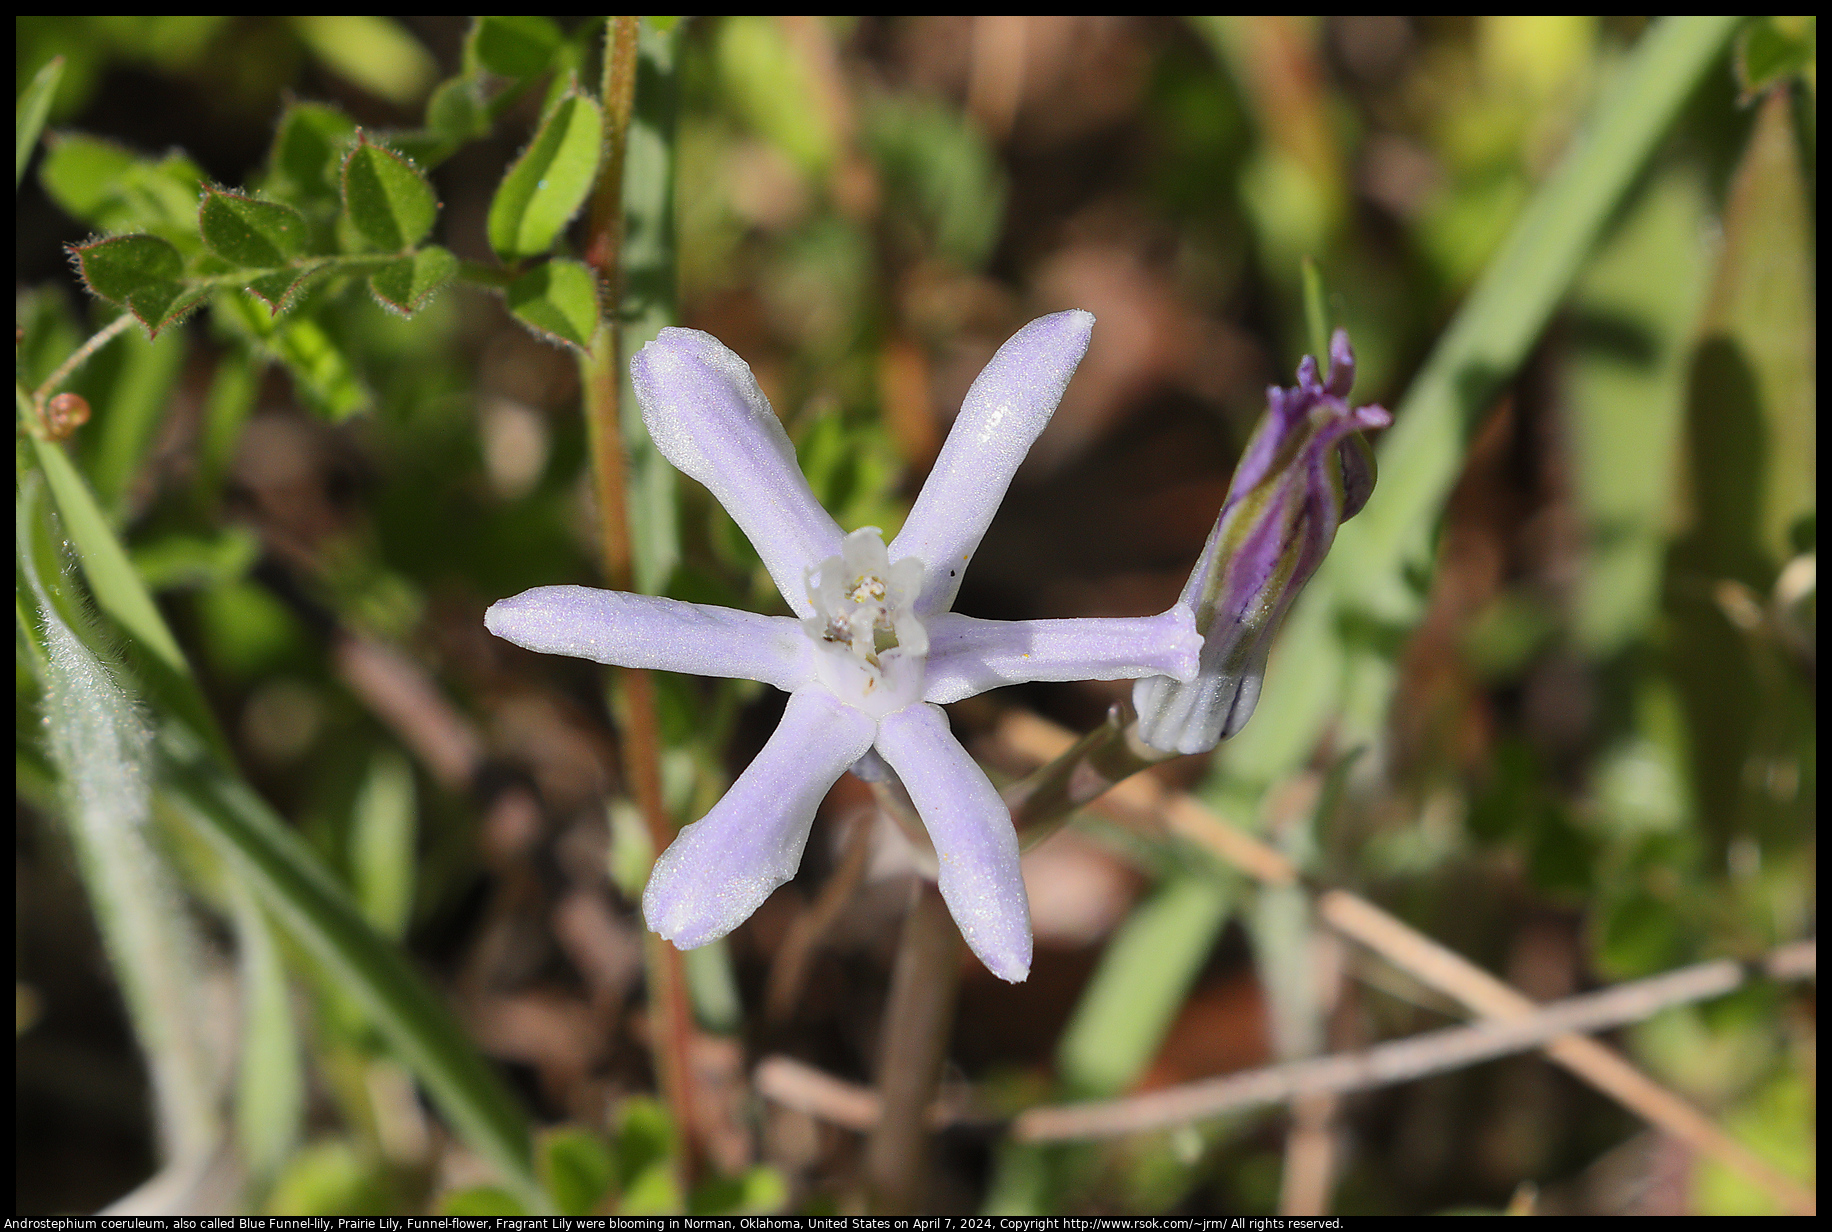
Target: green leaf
{"points": [[1140, 984], [116, 587], [130, 386], [321, 372], [306, 899], [270, 1083], [558, 301], [330, 1178], [1772, 50], [278, 290], [386, 199], [29, 115], [577, 1167], [308, 150], [117, 268], [549, 182], [83, 174], [180, 561], [406, 284], [140, 272], [100, 747], [650, 277], [456, 110], [1316, 312], [382, 844], [116, 191], [481, 1202], [376, 53], [250, 233], [776, 90], [519, 45]]}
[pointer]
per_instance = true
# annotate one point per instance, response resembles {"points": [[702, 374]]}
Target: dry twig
{"points": [[1424, 959], [806, 1089]]}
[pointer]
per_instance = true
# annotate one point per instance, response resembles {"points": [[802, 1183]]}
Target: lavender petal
{"points": [[707, 415], [1005, 410], [969, 656], [975, 845], [720, 869], [609, 626]]}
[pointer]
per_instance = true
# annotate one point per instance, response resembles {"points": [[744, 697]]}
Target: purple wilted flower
{"points": [[872, 649], [1306, 470]]}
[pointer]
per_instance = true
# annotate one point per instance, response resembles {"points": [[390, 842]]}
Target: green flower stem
{"points": [[601, 374]]}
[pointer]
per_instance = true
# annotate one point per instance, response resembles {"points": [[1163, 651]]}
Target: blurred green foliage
{"points": [[1568, 676]]}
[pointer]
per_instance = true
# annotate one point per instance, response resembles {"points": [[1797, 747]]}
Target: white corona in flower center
{"points": [[873, 648]]}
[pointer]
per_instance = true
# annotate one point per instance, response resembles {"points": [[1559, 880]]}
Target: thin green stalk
{"points": [[601, 373]]}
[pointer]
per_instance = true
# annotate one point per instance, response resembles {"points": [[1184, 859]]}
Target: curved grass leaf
{"points": [[29, 115], [404, 285], [558, 301], [250, 233], [319, 914], [100, 745], [549, 182], [119, 592], [387, 200], [1141, 982]]}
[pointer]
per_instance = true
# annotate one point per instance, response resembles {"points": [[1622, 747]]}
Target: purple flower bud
{"points": [[1306, 470]]}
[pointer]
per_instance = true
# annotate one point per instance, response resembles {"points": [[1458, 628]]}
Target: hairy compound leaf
{"points": [[141, 272], [558, 301], [307, 153], [516, 46], [116, 268], [278, 290], [387, 200], [405, 284], [29, 116], [249, 233], [549, 182]]}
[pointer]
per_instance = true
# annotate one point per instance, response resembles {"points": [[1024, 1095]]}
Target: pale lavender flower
{"points": [[872, 649], [1306, 470]]}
